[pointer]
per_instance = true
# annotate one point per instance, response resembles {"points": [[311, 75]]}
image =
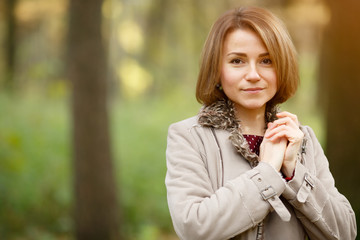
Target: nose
{"points": [[252, 74]]}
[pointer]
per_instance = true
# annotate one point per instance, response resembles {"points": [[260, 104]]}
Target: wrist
{"points": [[274, 165], [288, 169]]}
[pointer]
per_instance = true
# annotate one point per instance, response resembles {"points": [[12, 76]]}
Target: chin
{"points": [[255, 106], [252, 107]]}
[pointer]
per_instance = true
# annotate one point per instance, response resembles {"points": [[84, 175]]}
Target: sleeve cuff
{"points": [[270, 185], [300, 185], [270, 176]]}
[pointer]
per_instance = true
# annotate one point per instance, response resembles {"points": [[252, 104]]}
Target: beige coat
{"points": [[213, 193]]}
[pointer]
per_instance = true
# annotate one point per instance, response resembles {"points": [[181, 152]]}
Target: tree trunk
{"points": [[340, 90], [10, 43], [96, 213]]}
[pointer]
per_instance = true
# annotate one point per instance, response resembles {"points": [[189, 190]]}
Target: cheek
{"points": [[228, 77], [272, 79]]}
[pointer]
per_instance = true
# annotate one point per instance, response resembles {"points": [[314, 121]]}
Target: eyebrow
{"points": [[244, 54]]}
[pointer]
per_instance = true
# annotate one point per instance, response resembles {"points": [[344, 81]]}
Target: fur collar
{"points": [[221, 115]]}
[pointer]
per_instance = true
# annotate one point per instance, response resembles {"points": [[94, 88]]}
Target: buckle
{"points": [[268, 193], [309, 180]]}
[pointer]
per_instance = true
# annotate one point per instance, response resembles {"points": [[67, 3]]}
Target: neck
{"points": [[252, 121]]}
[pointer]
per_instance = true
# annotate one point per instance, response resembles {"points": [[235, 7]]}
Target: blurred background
{"points": [[147, 64]]}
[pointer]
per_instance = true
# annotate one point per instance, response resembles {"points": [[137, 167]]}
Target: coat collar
{"points": [[221, 115]]}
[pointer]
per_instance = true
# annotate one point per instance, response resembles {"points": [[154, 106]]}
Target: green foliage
{"points": [[36, 169]]}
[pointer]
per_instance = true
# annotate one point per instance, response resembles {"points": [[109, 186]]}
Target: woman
{"points": [[240, 169]]}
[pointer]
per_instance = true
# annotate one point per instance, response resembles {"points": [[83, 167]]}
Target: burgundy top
{"points": [[254, 142]]}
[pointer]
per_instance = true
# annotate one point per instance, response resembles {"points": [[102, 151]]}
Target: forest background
{"points": [[149, 67]]}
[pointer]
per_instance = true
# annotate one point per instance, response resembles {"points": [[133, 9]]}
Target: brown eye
{"points": [[236, 61], [267, 61]]}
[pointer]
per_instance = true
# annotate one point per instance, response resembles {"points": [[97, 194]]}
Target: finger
{"points": [[293, 117], [288, 114], [277, 136], [286, 121], [290, 135], [272, 131], [281, 135], [276, 124], [283, 120], [271, 125]]}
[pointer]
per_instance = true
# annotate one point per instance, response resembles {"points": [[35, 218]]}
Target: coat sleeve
{"points": [[200, 212], [324, 212]]}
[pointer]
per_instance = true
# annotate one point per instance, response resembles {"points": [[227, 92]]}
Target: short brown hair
{"points": [[276, 38]]}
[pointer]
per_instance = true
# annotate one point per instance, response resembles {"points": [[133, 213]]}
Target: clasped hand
{"points": [[281, 143]]}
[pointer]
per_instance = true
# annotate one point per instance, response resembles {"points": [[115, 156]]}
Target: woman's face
{"points": [[248, 76]]}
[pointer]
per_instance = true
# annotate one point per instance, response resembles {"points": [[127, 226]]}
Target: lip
{"points": [[253, 90]]}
